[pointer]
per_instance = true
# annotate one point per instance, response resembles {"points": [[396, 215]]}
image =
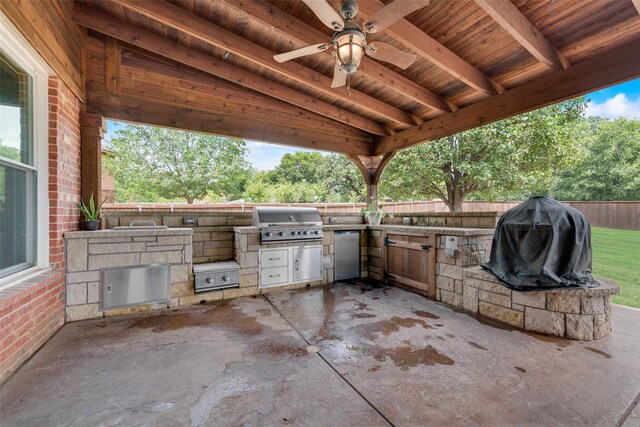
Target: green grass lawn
{"points": [[616, 256]]}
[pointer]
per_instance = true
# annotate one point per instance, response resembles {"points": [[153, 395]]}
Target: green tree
{"points": [[151, 163], [341, 180], [611, 168], [514, 157], [298, 167]]}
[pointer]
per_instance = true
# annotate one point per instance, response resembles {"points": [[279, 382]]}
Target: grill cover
{"points": [[542, 244]]}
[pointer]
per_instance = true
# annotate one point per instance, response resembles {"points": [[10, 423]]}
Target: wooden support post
{"points": [[371, 168], [92, 128]]}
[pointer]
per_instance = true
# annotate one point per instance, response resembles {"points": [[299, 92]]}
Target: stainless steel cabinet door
{"points": [[307, 263]]}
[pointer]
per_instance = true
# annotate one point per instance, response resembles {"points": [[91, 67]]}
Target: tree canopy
{"points": [[151, 164], [511, 158], [611, 168]]}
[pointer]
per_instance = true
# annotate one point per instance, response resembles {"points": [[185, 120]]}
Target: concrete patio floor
{"points": [[353, 353]]}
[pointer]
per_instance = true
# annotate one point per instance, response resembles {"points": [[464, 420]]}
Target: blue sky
{"points": [[621, 100]]}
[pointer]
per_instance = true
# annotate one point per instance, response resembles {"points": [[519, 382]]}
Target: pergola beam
{"points": [[297, 30], [637, 5], [611, 67], [519, 27], [428, 48], [159, 45], [210, 33]]}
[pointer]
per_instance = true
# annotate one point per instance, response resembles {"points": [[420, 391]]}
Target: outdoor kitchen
{"points": [[319, 213]]}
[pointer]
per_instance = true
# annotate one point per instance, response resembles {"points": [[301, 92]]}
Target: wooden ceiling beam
{"points": [[637, 5], [271, 16], [141, 110], [195, 87], [135, 36], [431, 50], [611, 67], [520, 28], [210, 33]]}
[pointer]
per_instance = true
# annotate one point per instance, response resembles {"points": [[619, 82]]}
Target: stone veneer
{"points": [[574, 313], [89, 251], [474, 246], [247, 246]]}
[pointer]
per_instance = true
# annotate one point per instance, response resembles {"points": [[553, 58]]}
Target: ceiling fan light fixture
{"points": [[349, 44]]}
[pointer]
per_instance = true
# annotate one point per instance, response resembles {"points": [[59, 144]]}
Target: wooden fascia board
{"points": [[520, 28], [431, 50], [614, 66], [139, 110], [210, 33], [300, 31], [135, 36]]}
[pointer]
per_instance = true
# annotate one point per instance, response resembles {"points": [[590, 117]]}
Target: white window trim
{"points": [[21, 51]]}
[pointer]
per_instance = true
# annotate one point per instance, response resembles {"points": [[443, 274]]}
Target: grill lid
{"points": [[278, 216]]}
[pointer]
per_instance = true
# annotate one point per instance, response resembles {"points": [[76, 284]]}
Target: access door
{"points": [[411, 261], [307, 263]]}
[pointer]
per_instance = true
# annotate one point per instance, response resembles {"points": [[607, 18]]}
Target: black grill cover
{"points": [[542, 244]]}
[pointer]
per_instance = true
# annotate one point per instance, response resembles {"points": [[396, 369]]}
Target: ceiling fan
{"points": [[350, 40]]}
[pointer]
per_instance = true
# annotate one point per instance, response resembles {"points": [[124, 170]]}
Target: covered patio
{"points": [[356, 353], [304, 352]]}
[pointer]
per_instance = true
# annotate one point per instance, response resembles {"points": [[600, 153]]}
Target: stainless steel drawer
{"points": [[275, 258], [216, 280], [274, 275]]}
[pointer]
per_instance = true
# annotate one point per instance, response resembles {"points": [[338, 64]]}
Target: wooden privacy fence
{"points": [[624, 215]]}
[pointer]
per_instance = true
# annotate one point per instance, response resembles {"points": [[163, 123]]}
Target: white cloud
{"points": [[612, 108]]}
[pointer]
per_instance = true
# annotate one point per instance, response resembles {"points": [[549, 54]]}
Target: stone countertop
{"points": [[451, 231], [414, 229], [606, 287], [109, 233]]}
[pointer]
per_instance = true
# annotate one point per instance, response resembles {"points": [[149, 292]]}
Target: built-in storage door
{"points": [[411, 261], [307, 263]]}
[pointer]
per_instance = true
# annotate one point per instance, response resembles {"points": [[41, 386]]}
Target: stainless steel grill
{"points": [[287, 224]]}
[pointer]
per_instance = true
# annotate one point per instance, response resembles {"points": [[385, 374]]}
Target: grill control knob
{"points": [[316, 232], [293, 233], [226, 278], [268, 234], [298, 233], [209, 280], [304, 232], [281, 233]]}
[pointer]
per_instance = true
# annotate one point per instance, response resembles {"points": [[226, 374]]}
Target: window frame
{"points": [[22, 53]]}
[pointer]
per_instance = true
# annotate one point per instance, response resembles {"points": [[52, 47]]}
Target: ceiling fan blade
{"points": [[304, 51], [391, 13], [339, 78], [326, 14], [388, 53]]}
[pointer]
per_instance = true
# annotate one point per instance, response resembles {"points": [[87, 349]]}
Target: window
{"points": [[23, 155]]}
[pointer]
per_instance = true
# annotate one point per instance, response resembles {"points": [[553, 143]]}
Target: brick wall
{"points": [[64, 167], [32, 311]]}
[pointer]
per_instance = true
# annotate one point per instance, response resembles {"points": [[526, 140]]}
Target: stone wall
{"points": [[88, 252], [581, 314], [212, 231], [474, 247]]}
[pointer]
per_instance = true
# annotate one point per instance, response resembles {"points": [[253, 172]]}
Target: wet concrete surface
{"points": [[354, 353]]}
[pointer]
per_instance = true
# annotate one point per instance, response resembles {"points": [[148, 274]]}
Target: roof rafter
{"points": [[519, 27], [607, 68], [428, 48], [135, 36], [208, 32], [304, 33]]}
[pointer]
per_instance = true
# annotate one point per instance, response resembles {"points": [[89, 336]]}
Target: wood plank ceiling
{"points": [[208, 66]]}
